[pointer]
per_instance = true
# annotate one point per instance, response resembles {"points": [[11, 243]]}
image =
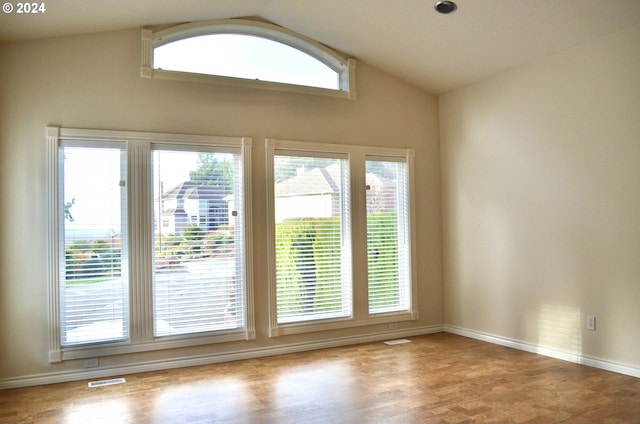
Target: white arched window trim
{"points": [[345, 67]]}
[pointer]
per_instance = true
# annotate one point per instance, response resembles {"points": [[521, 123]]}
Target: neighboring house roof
{"points": [[204, 192], [174, 211], [177, 191], [191, 190], [313, 181], [321, 181]]}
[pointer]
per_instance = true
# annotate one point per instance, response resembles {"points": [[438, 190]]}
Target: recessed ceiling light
{"points": [[445, 7]]}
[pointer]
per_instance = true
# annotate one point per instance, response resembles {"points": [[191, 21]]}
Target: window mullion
{"points": [[411, 219], [244, 200], [54, 248], [271, 236], [359, 236], [140, 248]]}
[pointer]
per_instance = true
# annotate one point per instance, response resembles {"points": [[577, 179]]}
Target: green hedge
{"points": [[383, 259], [306, 252], [316, 242]]}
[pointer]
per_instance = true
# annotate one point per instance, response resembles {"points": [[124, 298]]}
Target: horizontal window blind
{"points": [[93, 260], [313, 263], [387, 236], [198, 253]]}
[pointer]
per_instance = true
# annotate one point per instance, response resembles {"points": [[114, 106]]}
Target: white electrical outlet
{"points": [[393, 326], [591, 322], [91, 363]]}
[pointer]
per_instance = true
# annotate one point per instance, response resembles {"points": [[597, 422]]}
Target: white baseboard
{"points": [[66, 376], [591, 361]]}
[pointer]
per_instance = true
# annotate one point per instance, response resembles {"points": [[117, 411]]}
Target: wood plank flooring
{"points": [[439, 378]]}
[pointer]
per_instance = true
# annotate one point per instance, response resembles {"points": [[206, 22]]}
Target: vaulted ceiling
{"points": [[405, 38]]}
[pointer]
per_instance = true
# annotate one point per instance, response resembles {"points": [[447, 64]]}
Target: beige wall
{"points": [[541, 201], [92, 82]]}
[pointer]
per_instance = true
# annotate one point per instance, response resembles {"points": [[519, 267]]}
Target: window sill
{"points": [[308, 327], [83, 352], [254, 84]]}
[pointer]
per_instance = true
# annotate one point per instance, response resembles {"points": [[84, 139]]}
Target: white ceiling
{"points": [[405, 38]]}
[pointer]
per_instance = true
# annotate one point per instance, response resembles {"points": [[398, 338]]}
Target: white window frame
{"points": [[141, 337], [357, 156], [345, 67]]}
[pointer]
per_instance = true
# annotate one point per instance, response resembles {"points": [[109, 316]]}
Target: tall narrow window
{"points": [[312, 253], [388, 247], [93, 262], [198, 279]]}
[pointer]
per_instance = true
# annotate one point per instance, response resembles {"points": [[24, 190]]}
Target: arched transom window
{"points": [[246, 53]]}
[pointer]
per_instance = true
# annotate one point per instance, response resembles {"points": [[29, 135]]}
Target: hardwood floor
{"points": [[439, 378]]}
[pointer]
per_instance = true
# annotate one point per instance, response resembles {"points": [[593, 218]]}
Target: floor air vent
{"points": [[397, 342], [110, 382]]}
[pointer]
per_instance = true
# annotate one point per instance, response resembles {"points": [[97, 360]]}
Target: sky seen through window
{"points": [[244, 56]]}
